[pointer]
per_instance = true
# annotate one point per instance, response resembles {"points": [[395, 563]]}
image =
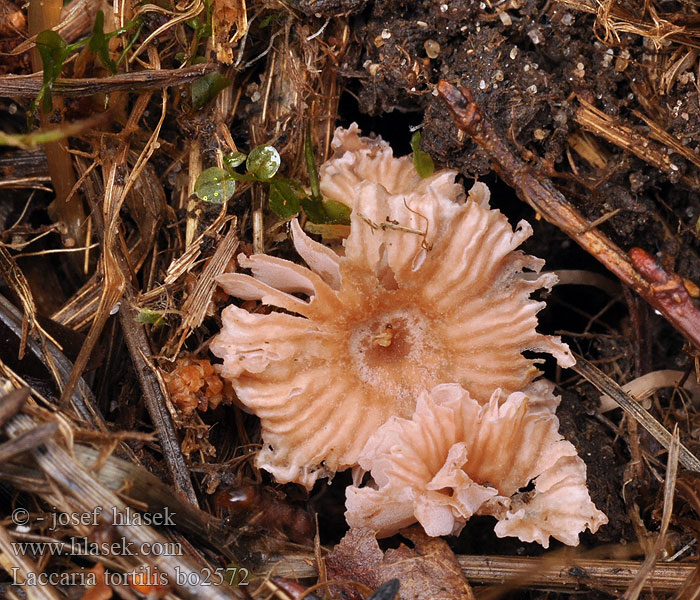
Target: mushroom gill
{"points": [[429, 290], [457, 457]]}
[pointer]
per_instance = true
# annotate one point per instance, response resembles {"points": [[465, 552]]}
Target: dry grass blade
{"points": [[27, 441], [189, 11], [48, 352], [114, 280], [28, 86], [660, 134], [80, 310], [615, 19], [12, 403], [607, 386], [117, 272], [12, 560], [146, 202], [637, 584], [75, 489], [624, 136], [184, 263], [145, 488], [195, 307], [154, 393], [19, 285]]}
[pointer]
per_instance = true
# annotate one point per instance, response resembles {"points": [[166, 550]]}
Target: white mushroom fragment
{"points": [[457, 457]]}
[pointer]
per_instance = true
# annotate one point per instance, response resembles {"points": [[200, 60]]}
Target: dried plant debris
{"points": [[429, 570], [194, 385]]}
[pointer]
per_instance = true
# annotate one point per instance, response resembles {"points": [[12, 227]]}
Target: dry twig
{"points": [[28, 86]]}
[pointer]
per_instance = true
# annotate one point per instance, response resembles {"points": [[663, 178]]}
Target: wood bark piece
{"points": [[540, 193]]}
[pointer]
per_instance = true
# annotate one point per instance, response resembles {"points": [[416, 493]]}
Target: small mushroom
{"points": [[429, 290], [359, 159], [457, 457]]}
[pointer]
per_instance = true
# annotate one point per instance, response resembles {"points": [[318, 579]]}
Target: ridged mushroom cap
{"points": [[457, 457], [429, 290]]}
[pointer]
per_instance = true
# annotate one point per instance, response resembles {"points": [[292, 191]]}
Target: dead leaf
{"points": [[429, 571], [227, 15]]}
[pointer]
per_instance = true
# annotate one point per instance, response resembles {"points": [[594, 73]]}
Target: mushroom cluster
{"points": [[429, 289]]}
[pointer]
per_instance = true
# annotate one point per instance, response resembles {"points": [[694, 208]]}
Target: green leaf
{"points": [[328, 212], [337, 212], [150, 317], [232, 160], [136, 22], [201, 24], [214, 185], [284, 201], [99, 43], [263, 162], [53, 52], [206, 88], [269, 20], [422, 161]]}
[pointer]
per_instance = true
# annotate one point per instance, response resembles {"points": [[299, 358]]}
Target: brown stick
{"points": [[154, 397], [67, 207], [543, 197], [28, 86]]}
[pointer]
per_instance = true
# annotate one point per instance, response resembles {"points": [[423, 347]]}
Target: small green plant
{"points": [[206, 88], [201, 24], [422, 161], [99, 43], [287, 197], [215, 186], [270, 20], [150, 317], [54, 51]]}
